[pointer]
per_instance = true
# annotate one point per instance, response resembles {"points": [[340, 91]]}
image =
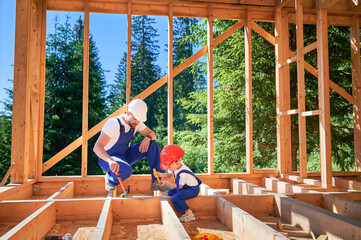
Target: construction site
{"points": [[259, 204]]}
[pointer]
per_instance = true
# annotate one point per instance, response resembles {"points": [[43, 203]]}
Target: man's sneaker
{"points": [[108, 185], [187, 217], [155, 185]]}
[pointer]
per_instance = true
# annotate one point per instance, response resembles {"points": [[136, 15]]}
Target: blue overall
{"points": [[126, 156], [187, 192]]}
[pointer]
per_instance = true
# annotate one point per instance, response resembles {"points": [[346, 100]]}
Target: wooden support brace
{"points": [[174, 228], [67, 191], [311, 113], [105, 221], [328, 3], [281, 3], [289, 112]]}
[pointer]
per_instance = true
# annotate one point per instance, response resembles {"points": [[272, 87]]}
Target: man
{"points": [[115, 153]]}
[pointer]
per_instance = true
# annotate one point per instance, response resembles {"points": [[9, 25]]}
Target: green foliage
{"points": [[63, 96]]}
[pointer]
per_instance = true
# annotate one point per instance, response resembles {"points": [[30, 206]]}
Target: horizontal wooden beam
{"points": [[67, 191], [22, 191], [289, 112], [311, 113], [44, 219]]}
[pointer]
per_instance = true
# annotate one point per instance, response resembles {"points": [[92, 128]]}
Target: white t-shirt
{"points": [[185, 178], [112, 129]]}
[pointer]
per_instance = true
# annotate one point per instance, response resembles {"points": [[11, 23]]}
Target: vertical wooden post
{"points": [[39, 158], [301, 90], [21, 93], [170, 74], [248, 72], [129, 50], [356, 88], [324, 97], [210, 91], [282, 92], [84, 164]]}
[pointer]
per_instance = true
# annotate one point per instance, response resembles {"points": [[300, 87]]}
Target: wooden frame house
{"points": [[258, 204]]}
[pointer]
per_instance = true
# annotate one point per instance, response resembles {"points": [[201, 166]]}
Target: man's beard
{"points": [[131, 125]]}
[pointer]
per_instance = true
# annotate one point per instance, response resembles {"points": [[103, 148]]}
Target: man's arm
{"points": [[149, 135], [99, 150]]}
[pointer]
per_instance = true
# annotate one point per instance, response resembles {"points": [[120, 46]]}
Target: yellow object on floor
{"points": [[207, 236]]}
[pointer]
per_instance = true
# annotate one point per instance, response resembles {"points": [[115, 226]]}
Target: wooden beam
{"points": [[301, 90], [210, 92], [21, 93], [311, 113], [345, 183], [67, 191], [281, 3], [341, 92], [342, 206], [44, 219], [289, 112], [327, 3], [309, 48], [105, 221], [84, 152], [248, 78], [7, 174], [23, 191], [129, 50], [287, 62], [282, 91], [315, 219], [356, 88], [278, 186], [170, 74], [353, 3], [41, 89], [324, 98], [173, 227]]}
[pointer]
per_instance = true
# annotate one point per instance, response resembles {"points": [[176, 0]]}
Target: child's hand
{"points": [[163, 183]]}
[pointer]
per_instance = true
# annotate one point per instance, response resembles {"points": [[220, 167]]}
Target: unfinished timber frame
{"points": [[326, 204]]}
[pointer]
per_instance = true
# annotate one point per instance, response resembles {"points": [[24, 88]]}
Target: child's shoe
{"points": [[187, 217]]}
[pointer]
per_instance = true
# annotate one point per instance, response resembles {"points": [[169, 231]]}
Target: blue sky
{"points": [[109, 32]]}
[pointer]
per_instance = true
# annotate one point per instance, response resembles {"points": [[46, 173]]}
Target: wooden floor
{"points": [[231, 206]]}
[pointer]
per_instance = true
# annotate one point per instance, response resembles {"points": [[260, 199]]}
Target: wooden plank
{"points": [[43, 219], [248, 78], [287, 62], [281, 42], [105, 221], [7, 174], [315, 199], [21, 94], [281, 3], [174, 228], [327, 3], [13, 212], [79, 209], [210, 92], [42, 89], [129, 50], [356, 88], [278, 186], [341, 206], [301, 90], [289, 112], [67, 191], [324, 99], [342, 92], [311, 113], [23, 191], [345, 183], [309, 48], [256, 205], [84, 152], [170, 74], [315, 219]]}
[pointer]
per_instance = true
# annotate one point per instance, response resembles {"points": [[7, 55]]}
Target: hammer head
{"points": [[125, 192]]}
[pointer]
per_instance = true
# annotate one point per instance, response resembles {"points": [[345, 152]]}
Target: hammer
{"points": [[125, 190]]}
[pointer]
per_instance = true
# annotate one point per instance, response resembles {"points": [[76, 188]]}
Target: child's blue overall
{"points": [[126, 156], [187, 192]]}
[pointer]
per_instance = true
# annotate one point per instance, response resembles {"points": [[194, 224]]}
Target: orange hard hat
{"points": [[169, 155]]}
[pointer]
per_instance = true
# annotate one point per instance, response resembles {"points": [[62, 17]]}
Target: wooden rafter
{"points": [[210, 47]]}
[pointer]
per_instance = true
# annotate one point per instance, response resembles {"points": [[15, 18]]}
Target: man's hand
{"points": [[114, 166], [144, 145]]}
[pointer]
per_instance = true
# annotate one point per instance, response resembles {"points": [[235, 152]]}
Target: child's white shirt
{"points": [[185, 178]]}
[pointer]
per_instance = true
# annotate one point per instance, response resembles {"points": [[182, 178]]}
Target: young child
{"points": [[186, 184]]}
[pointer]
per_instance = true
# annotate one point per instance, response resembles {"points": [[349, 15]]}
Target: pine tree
{"points": [[63, 95]]}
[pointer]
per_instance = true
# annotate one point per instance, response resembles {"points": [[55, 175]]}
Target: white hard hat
{"points": [[139, 109]]}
